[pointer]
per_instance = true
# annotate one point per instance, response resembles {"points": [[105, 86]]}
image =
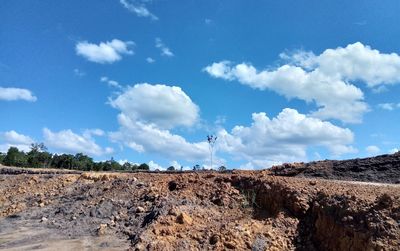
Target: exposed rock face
{"points": [[384, 168], [198, 211]]}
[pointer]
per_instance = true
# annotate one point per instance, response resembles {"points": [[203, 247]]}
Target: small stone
{"points": [[140, 210], [41, 204], [44, 219], [173, 212], [312, 182], [229, 245], [102, 229], [183, 218]]}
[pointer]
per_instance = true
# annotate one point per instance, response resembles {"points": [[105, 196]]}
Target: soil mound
{"points": [[383, 169]]}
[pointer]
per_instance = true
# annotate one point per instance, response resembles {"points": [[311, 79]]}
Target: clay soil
{"points": [[239, 210]]}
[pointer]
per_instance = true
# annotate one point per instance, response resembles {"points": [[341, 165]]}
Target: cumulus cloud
{"points": [[335, 98], [154, 166], [284, 138], [353, 62], [165, 51], [138, 7], [105, 52], [372, 150], [323, 79], [12, 94], [12, 138], [161, 105], [148, 113], [68, 141]]}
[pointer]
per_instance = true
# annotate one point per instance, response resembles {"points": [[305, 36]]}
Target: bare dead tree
{"points": [[211, 143]]}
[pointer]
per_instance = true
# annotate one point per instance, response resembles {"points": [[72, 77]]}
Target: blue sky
{"points": [[147, 80]]}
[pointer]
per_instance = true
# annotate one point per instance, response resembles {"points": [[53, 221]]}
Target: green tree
{"points": [[83, 162], [38, 156], [171, 168], [143, 166], [63, 161], [14, 157], [129, 166], [222, 168]]}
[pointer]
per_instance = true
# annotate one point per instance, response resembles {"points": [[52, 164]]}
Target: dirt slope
{"points": [[384, 168], [194, 211]]}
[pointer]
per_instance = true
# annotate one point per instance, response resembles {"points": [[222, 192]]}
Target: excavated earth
{"points": [[383, 169], [239, 210]]}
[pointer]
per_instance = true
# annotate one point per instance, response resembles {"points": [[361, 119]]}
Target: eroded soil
{"points": [[194, 211]]}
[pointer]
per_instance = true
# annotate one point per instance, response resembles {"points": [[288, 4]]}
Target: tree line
{"points": [[39, 157]]}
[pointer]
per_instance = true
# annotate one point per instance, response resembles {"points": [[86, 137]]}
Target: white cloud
{"points": [[394, 150], [323, 79], [161, 105], [93, 132], [105, 52], [372, 150], [148, 113], [283, 139], [389, 106], [143, 137], [165, 51], [111, 83], [70, 142], [11, 94], [175, 164], [150, 60], [154, 166], [12, 138], [356, 62], [334, 98], [138, 7]]}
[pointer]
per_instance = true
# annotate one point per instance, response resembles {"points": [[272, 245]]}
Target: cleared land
{"points": [[242, 210]]}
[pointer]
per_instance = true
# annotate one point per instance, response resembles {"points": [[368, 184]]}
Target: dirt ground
{"points": [[383, 169], [240, 210]]}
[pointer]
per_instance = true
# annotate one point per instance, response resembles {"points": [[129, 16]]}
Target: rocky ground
{"points": [[242, 210]]}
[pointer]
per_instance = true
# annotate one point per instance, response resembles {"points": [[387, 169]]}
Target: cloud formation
{"points": [[161, 105], [165, 51], [111, 83], [12, 138], [324, 79], [284, 138], [148, 113], [372, 150], [70, 142], [138, 7], [13, 94], [389, 106], [105, 52]]}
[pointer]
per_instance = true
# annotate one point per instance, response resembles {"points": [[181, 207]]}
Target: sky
{"points": [[148, 80]]}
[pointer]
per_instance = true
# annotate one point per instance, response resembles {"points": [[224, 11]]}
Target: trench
{"points": [[320, 217]]}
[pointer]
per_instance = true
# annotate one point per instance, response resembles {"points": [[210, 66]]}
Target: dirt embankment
{"points": [[195, 211], [383, 168]]}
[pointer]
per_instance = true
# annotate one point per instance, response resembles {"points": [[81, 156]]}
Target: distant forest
{"points": [[39, 157]]}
